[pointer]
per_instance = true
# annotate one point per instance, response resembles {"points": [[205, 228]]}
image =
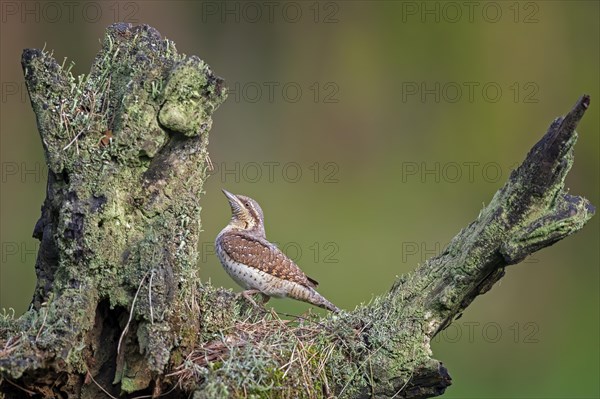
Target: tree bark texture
{"points": [[119, 308]]}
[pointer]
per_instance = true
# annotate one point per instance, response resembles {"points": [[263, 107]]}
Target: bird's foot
{"points": [[247, 295]]}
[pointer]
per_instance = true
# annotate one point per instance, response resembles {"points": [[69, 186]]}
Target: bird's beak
{"points": [[234, 202], [229, 196]]}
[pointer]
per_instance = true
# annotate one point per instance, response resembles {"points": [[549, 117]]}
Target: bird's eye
{"points": [[247, 204]]}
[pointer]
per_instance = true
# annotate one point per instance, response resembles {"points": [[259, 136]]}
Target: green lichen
{"points": [[185, 109], [118, 285], [118, 213]]}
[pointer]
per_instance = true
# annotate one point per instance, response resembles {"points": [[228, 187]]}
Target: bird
{"points": [[258, 265]]}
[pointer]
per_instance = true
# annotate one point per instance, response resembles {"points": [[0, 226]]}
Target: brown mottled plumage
{"points": [[258, 265]]}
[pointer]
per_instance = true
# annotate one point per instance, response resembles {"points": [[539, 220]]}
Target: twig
{"points": [[371, 354], [74, 139], [150, 297], [152, 396], [131, 312], [99, 386], [403, 386], [20, 387], [43, 324]]}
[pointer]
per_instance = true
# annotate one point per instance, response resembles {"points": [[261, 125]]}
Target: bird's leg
{"points": [[246, 294], [265, 298]]}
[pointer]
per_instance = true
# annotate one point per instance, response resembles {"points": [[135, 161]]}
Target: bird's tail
{"points": [[309, 294], [320, 301], [329, 306]]}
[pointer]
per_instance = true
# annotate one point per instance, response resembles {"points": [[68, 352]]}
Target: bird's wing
{"points": [[264, 256], [312, 282]]}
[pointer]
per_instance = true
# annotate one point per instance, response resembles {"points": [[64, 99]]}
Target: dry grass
{"points": [[268, 357]]}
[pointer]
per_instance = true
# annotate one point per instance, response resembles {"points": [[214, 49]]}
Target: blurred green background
{"points": [[370, 133]]}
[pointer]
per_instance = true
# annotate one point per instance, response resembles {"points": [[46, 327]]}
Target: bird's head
{"points": [[246, 214]]}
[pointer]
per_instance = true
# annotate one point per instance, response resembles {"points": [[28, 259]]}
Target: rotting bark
{"points": [[119, 307]]}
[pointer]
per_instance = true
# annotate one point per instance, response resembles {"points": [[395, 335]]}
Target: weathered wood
{"points": [[126, 148], [119, 306]]}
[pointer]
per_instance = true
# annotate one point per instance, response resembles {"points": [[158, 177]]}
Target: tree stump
{"points": [[119, 308]]}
